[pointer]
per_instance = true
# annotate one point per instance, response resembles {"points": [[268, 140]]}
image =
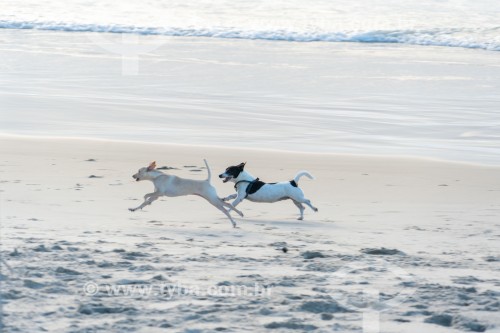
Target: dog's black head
{"points": [[232, 172]]}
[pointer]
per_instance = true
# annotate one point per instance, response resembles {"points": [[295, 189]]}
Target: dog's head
{"points": [[232, 172], [142, 174]]}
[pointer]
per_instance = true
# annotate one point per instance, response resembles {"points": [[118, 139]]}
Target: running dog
{"points": [[173, 186], [251, 188]]}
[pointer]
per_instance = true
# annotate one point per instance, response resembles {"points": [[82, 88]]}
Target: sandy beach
{"points": [[413, 242], [392, 105]]}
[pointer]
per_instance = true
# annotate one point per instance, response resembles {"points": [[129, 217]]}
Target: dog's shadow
{"points": [[279, 222]]}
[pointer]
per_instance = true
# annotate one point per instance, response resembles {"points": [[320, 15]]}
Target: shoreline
{"points": [[408, 158]]}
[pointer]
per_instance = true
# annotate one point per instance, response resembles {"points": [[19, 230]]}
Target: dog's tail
{"points": [[300, 174], [208, 170]]}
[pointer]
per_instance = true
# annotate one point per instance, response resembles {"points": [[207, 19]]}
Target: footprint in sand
{"points": [[166, 168]]}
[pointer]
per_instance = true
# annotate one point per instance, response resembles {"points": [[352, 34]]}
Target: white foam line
{"points": [[431, 37]]}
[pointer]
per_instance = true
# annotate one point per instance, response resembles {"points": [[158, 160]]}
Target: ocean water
{"points": [[452, 23], [418, 78]]}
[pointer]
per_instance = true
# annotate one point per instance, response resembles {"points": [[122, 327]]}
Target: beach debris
{"points": [[456, 321], [33, 284], [402, 320], [382, 251], [265, 311], [91, 160], [133, 255], [312, 254], [323, 307], [41, 248], [142, 268], [131, 282], [291, 324], [284, 249], [165, 167], [62, 270], [440, 319], [466, 280], [99, 308], [225, 283]]}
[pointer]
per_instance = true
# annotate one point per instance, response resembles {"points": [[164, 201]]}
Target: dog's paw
{"points": [[316, 209], [225, 199], [240, 214], [132, 209], [300, 218]]}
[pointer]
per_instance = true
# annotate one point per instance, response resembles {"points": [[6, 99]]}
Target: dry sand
{"points": [[65, 223]]}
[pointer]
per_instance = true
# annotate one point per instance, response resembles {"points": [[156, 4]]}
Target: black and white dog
{"points": [[251, 188]]}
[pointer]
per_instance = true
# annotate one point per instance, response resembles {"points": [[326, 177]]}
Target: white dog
{"points": [[251, 188], [173, 186]]}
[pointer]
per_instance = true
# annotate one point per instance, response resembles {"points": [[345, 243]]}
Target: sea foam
{"points": [[484, 38]]}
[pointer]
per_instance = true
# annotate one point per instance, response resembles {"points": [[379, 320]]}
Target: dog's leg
{"points": [[308, 202], [147, 195], [219, 205], [228, 205], [222, 209], [151, 197], [212, 197], [301, 208], [236, 202], [230, 197], [299, 197]]}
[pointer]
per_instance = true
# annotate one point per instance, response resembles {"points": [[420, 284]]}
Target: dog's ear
{"points": [[152, 166], [242, 165]]}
